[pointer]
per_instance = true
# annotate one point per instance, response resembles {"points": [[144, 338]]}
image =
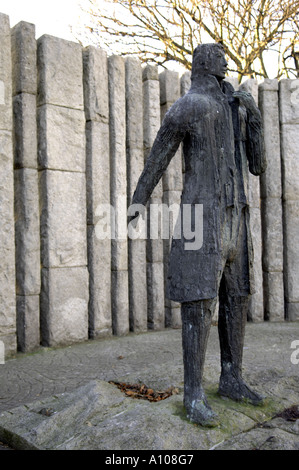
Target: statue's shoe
{"points": [[199, 412], [238, 390]]}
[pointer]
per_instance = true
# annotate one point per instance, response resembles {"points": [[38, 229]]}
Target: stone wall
{"points": [[75, 130], [289, 125]]}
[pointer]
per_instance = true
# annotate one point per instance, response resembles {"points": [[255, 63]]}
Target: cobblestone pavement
{"points": [[155, 358]]}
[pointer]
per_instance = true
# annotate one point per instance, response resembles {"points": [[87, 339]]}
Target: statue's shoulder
{"points": [[190, 102], [187, 109], [178, 111], [197, 102]]}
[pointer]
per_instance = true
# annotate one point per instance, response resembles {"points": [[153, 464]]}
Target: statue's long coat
{"points": [[220, 141]]}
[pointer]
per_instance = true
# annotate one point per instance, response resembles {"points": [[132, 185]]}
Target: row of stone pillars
{"points": [[75, 130]]}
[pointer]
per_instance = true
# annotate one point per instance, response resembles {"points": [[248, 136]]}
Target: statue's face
{"points": [[218, 64], [209, 59]]}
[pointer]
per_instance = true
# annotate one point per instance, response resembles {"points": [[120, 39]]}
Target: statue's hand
{"points": [[246, 99], [133, 219]]}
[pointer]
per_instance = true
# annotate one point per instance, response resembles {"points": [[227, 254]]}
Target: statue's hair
{"points": [[202, 57]]}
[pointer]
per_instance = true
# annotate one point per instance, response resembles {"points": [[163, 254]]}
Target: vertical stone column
{"points": [[62, 179], [185, 82], [170, 91], [96, 99], [119, 246], [154, 249], [289, 127], [27, 226], [7, 234], [256, 310], [135, 164], [271, 205]]}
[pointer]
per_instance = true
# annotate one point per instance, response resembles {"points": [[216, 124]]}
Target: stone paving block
{"points": [[137, 285], [119, 255], [60, 72], [154, 249], [118, 175], [156, 300], [7, 244], [271, 204], [169, 87], [288, 101], [268, 103], [150, 72], [63, 219], [64, 306], [251, 86], [95, 80], [151, 115], [118, 165], [25, 132], [5, 74], [97, 168], [290, 161], [135, 164], [292, 311], [120, 302], [274, 296], [28, 325], [116, 73], [185, 82], [9, 343], [27, 232], [291, 253], [272, 234], [289, 120], [173, 318], [151, 105], [256, 310], [61, 138], [268, 85], [134, 109], [99, 267], [253, 191], [24, 58], [169, 93]]}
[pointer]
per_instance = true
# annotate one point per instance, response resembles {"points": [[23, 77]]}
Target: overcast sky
{"points": [[50, 17]]}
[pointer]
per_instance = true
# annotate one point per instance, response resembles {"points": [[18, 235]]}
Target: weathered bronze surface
{"points": [[222, 137]]}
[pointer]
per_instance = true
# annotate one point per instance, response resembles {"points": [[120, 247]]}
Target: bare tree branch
{"points": [[161, 31]]}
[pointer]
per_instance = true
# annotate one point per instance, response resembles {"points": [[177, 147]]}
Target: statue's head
{"points": [[209, 59]]}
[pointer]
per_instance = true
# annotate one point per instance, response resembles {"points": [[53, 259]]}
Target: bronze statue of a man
{"points": [[221, 133]]}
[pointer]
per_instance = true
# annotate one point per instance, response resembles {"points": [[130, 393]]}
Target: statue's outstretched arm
{"points": [[164, 148]]}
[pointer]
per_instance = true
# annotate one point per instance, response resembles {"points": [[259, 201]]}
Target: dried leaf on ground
{"points": [[143, 392], [290, 414]]}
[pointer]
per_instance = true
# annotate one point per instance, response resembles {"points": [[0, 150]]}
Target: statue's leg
{"points": [[231, 327], [196, 323]]}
